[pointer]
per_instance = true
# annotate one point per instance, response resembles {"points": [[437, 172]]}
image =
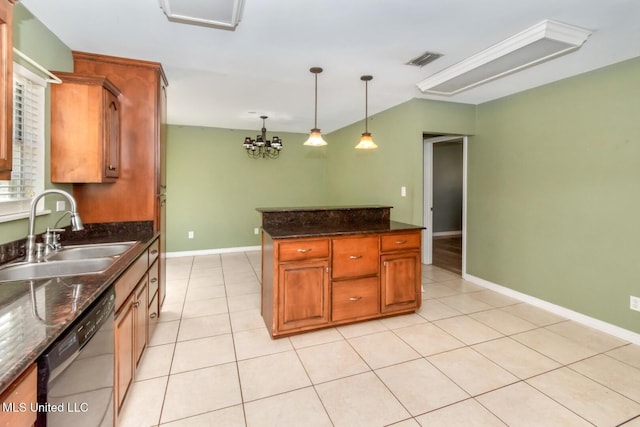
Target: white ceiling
{"points": [[228, 79]]}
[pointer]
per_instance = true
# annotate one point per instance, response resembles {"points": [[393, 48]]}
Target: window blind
{"points": [[28, 147]]}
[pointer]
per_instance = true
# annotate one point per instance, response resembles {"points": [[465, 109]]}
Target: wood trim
{"points": [[6, 88]]}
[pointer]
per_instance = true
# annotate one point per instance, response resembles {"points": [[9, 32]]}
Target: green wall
{"points": [[213, 187], [553, 193], [375, 176], [31, 37]]}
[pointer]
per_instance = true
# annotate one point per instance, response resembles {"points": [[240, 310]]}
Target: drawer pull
{"points": [[355, 256], [355, 298], [112, 168], [153, 315], [400, 242], [303, 251], [155, 251], [153, 280]]}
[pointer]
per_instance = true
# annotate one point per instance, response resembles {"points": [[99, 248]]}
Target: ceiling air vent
{"points": [[222, 14], [424, 59]]}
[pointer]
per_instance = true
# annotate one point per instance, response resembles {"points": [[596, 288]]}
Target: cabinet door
{"points": [[400, 281], [141, 306], [124, 366], [111, 135], [303, 294]]}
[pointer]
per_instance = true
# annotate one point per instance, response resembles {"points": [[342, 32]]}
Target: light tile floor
{"points": [[469, 357]]}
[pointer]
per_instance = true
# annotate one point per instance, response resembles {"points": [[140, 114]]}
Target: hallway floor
{"points": [[470, 356]]}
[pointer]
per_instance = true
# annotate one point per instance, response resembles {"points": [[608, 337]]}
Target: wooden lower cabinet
{"points": [[311, 283], [303, 297], [124, 366], [131, 338], [17, 400], [400, 281]]}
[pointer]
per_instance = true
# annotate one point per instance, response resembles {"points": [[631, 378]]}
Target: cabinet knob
{"points": [[154, 280], [153, 315], [111, 167], [355, 256], [355, 298], [136, 304]]}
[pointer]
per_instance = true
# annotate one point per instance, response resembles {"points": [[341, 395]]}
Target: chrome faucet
{"points": [[76, 222]]}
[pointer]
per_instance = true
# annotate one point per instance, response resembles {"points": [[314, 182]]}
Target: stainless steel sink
{"points": [[83, 252], [39, 270]]}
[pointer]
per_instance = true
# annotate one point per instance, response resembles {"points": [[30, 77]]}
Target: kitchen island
{"points": [[334, 265]]}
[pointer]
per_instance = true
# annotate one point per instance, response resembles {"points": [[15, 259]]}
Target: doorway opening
{"points": [[445, 171]]}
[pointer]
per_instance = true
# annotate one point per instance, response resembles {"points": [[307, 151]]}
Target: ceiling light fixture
{"points": [[224, 15], [545, 40], [261, 147], [366, 141], [315, 137]]}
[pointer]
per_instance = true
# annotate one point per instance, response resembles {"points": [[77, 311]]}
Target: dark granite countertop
{"points": [[319, 221], [26, 333], [322, 208], [292, 231]]}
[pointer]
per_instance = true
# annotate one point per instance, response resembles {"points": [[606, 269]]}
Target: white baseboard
{"points": [[213, 251], [447, 233], [592, 322]]}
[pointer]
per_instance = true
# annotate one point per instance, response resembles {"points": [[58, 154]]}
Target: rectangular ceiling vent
{"points": [[424, 59], [222, 14], [542, 42]]}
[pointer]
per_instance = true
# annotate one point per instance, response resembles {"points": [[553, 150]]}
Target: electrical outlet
{"points": [[61, 205], [256, 230], [190, 234], [634, 303]]}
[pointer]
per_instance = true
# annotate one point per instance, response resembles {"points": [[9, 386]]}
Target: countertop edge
{"points": [[304, 232]]}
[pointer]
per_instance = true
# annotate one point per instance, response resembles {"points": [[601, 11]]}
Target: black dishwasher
{"points": [[75, 374]]}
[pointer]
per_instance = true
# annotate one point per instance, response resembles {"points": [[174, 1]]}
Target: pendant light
{"points": [[315, 137], [366, 141]]}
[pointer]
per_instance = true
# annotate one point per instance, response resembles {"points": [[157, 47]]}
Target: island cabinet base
{"points": [[310, 283]]}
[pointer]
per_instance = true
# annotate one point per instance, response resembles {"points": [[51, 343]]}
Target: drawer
{"points": [[400, 242], [352, 257], [295, 250], [154, 278], [130, 278], [20, 395], [154, 251], [356, 298]]}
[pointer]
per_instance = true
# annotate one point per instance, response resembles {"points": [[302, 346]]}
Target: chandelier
{"points": [[261, 147]]}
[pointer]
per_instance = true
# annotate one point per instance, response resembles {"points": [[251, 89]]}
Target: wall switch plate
{"points": [[403, 191], [634, 303], [190, 234], [256, 230], [61, 205]]}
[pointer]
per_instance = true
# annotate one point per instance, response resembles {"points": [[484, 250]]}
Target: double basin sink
{"points": [[68, 261]]}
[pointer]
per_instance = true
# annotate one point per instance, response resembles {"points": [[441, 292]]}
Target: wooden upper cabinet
{"points": [[85, 129], [6, 88]]}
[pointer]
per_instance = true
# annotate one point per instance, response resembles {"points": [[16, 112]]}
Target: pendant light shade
{"points": [[315, 137], [366, 141]]}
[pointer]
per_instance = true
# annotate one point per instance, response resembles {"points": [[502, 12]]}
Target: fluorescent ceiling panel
{"points": [[223, 14], [539, 43]]}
